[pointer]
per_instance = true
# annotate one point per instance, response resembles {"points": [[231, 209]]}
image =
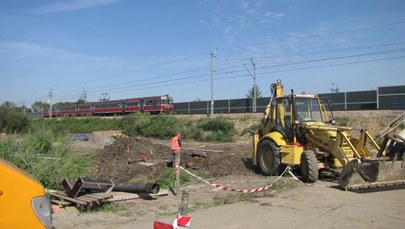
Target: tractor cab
{"points": [[290, 111]]}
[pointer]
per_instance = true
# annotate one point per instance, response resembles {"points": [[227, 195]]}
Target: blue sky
{"points": [[141, 48]]}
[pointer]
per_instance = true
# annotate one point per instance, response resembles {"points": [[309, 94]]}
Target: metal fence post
{"points": [[345, 101]]}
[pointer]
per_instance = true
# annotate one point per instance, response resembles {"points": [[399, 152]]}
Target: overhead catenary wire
{"points": [[263, 73], [220, 75]]}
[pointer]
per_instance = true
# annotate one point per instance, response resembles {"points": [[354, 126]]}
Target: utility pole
{"points": [[334, 89], [213, 54], [50, 94], [254, 84], [84, 95]]}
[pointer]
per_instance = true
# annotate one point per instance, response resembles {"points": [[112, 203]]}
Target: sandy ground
{"points": [[303, 206]]}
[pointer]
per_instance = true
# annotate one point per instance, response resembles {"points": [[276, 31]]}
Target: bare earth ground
{"points": [[319, 206]]}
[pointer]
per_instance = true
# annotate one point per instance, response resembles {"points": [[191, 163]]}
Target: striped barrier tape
{"points": [[218, 186]]}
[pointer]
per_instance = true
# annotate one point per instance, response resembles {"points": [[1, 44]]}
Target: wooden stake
{"points": [[184, 204], [177, 178]]}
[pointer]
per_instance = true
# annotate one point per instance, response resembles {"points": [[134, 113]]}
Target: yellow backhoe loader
{"points": [[299, 131]]}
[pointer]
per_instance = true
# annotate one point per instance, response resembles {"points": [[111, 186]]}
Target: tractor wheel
{"points": [[268, 158], [309, 166]]}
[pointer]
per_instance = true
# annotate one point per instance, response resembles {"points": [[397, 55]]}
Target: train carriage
{"points": [[152, 104], [108, 108], [84, 109]]}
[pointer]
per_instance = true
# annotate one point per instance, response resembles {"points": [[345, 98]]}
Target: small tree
{"points": [[250, 93], [39, 106], [12, 120]]}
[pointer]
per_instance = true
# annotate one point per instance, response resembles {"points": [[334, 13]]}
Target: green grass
{"points": [[342, 121], [227, 199], [47, 159], [254, 128], [284, 184], [168, 179], [217, 129]]}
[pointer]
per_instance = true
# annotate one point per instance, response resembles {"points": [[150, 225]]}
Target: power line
{"points": [[156, 84], [138, 84], [178, 80]]}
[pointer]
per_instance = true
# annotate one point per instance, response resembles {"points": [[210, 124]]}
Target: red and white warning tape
{"points": [[218, 186], [314, 185]]}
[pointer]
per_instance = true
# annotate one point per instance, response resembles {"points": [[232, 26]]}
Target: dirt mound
{"points": [[139, 159]]}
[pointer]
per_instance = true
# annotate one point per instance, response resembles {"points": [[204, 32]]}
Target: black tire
{"points": [[309, 166], [268, 158]]}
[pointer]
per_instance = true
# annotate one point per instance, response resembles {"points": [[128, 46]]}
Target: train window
{"points": [[84, 107], [149, 102], [132, 104], [113, 105], [67, 108]]}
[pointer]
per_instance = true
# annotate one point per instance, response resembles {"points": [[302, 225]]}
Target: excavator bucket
{"points": [[382, 171], [371, 173]]}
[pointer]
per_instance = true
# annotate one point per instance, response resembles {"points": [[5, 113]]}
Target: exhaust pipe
{"points": [[137, 187]]}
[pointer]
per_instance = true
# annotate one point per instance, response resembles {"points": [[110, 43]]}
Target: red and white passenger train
{"points": [[153, 105]]}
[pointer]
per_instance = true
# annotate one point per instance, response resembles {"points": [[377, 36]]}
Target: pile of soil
{"points": [[139, 159]]}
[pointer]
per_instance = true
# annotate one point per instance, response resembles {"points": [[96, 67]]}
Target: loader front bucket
{"points": [[372, 173]]}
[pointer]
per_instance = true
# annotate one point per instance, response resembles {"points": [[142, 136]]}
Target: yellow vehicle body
{"points": [[23, 200], [297, 131]]}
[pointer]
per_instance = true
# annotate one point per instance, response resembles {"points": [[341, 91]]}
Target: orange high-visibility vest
{"points": [[175, 144]]}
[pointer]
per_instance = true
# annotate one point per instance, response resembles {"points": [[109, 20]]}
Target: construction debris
{"points": [[84, 184], [198, 154], [83, 202], [85, 193], [137, 187]]}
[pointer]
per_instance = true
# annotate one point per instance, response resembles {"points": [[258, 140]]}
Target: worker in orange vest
{"points": [[176, 147]]}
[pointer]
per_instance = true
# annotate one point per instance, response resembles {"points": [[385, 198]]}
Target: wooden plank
{"points": [[62, 200], [60, 203], [64, 197], [87, 199], [100, 196]]}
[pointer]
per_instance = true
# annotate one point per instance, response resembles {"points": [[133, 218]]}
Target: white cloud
{"points": [[72, 5], [244, 5], [270, 17], [26, 52]]}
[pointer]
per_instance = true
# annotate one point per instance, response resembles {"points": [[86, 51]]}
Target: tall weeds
{"points": [[45, 158]]}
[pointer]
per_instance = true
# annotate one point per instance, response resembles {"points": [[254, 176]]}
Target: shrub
{"points": [[156, 126], [216, 124], [218, 129], [12, 120], [254, 128], [342, 121]]}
